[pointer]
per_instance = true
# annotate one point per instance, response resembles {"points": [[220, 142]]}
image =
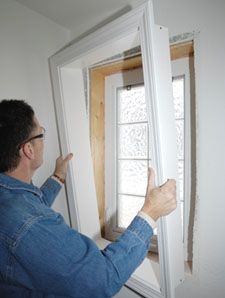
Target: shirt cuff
{"points": [[57, 180], [147, 218]]}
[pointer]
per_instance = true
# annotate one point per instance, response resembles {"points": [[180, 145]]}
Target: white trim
{"points": [[181, 67], [130, 30]]}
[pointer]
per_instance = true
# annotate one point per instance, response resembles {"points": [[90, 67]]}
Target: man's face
{"points": [[38, 144]]}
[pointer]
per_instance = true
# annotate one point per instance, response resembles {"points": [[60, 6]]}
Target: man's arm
{"points": [[50, 190], [63, 262], [55, 259], [52, 185]]}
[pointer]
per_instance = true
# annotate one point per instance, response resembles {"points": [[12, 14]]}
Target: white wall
{"points": [[208, 17], [180, 16], [27, 39]]}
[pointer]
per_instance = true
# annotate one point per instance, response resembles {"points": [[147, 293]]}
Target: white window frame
{"points": [[181, 68], [134, 28], [112, 83]]}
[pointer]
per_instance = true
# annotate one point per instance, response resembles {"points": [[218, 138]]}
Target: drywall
{"points": [[27, 40], [208, 17]]}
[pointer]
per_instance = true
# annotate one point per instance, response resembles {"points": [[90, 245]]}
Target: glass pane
{"points": [[178, 97], [132, 141], [181, 178], [180, 138], [131, 104], [182, 216], [128, 207], [132, 177]]}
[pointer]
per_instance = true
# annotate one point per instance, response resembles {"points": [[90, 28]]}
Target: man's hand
{"points": [[61, 166], [159, 201]]}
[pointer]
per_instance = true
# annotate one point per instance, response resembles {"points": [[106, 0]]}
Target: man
{"points": [[40, 256]]}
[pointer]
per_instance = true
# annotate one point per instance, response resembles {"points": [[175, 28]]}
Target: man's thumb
{"points": [[151, 180], [69, 157]]}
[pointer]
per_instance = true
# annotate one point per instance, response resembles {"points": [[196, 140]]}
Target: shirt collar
{"points": [[15, 184]]}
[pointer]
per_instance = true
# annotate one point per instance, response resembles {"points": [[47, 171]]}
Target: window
{"points": [[134, 29], [127, 132], [178, 98], [132, 152]]}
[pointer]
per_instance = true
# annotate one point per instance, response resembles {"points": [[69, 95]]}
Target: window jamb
{"points": [[181, 67]]}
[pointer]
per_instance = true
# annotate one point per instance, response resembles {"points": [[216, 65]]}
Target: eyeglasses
{"points": [[39, 136]]}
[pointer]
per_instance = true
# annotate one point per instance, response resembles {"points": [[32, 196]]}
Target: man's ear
{"points": [[28, 150]]}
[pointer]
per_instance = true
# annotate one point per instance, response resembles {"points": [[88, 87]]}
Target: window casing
{"points": [[135, 28]]}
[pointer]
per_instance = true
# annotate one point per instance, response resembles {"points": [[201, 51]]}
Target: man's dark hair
{"points": [[16, 125]]}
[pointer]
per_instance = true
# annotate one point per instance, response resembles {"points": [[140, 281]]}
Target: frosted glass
{"points": [[132, 105], [178, 97], [132, 141], [180, 138], [181, 178], [128, 207], [182, 215], [132, 177]]}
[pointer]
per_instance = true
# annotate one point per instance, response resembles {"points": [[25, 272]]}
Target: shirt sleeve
{"points": [[58, 260], [148, 218], [50, 190]]}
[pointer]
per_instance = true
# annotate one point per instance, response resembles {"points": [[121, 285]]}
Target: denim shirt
{"points": [[41, 256]]}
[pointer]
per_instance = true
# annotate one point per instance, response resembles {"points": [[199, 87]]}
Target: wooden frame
{"points": [[133, 29], [181, 50], [97, 123], [97, 116]]}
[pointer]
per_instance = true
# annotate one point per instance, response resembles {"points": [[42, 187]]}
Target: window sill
{"points": [[154, 257]]}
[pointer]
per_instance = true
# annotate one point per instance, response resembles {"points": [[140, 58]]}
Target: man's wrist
{"points": [[147, 218], [58, 178], [153, 212]]}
